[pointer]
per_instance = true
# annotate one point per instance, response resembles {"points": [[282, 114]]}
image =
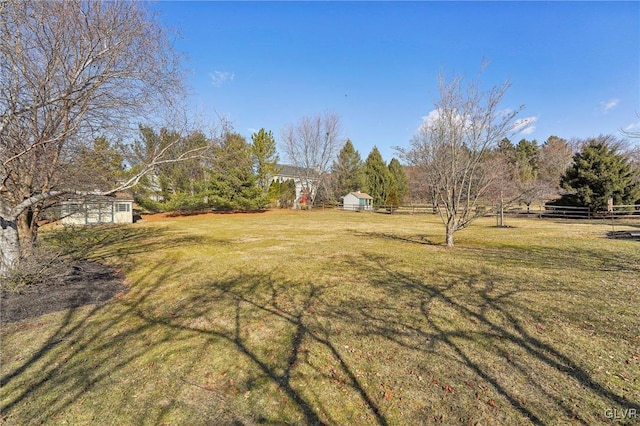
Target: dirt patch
{"points": [[82, 283]]}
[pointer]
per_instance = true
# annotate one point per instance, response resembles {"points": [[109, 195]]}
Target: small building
{"points": [[357, 201], [95, 210]]}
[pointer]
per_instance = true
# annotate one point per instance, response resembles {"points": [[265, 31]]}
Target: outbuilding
{"points": [[97, 209], [357, 201]]}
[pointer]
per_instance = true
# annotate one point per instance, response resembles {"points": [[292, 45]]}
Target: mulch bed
{"points": [[626, 235], [82, 283]]}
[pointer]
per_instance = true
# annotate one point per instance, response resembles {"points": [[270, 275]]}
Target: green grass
{"points": [[338, 318]]}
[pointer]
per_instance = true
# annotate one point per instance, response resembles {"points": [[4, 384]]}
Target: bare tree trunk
{"points": [[9, 245], [453, 149], [449, 236], [64, 67], [26, 233], [501, 212]]}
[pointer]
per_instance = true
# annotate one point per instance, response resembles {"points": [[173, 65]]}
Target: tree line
{"points": [[233, 174]]}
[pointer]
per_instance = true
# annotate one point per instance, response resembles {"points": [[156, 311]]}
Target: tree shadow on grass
{"points": [[274, 300], [103, 242], [533, 255], [414, 239], [157, 350], [80, 276], [92, 347], [487, 333]]}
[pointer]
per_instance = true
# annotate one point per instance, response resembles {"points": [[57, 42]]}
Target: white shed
{"points": [[96, 210], [357, 201]]}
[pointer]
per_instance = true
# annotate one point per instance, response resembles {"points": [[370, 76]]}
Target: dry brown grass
{"points": [[340, 318]]}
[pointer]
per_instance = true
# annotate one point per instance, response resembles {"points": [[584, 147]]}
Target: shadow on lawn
{"points": [[88, 349], [416, 239], [530, 255], [105, 242], [281, 334], [487, 318], [84, 352], [292, 304]]}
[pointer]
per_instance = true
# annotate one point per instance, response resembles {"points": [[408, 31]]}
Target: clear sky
{"points": [[574, 65]]}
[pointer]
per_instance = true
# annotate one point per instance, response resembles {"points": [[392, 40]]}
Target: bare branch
{"points": [[311, 145], [452, 149], [71, 71]]}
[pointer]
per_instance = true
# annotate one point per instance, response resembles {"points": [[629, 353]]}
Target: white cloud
{"points": [[218, 78], [429, 119], [608, 105], [433, 117], [528, 130], [632, 127], [521, 126], [525, 125]]}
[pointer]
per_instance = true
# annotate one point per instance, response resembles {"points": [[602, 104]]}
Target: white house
{"points": [[95, 210], [357, 201], [301, 177]]}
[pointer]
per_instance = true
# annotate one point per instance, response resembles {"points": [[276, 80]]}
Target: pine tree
{"points": [[234, 184], [399, 184], [377, 177], [265, 157], [96, 167], [600, 172], [347, 171]]}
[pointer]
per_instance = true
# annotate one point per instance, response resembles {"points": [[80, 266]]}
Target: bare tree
{"points": [[311, 146], [70, 71], [453, 149]]}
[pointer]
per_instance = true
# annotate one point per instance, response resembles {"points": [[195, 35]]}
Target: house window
{"points": [[122, 207], [71, 208]]}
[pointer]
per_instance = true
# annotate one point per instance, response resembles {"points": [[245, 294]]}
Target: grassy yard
{"points": [[331, 317]]}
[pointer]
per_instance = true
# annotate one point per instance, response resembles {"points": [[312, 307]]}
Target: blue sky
{"points": [[574, 65]]}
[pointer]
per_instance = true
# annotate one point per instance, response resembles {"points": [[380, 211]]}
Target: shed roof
{"points": [[117, 197], [361, 195]]}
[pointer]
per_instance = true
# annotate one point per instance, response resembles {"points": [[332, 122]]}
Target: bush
{"points": [[35, 270], [149, 206]]}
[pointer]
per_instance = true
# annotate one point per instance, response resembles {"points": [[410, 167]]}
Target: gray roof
{"points": [[118, 196], [287, 170]]}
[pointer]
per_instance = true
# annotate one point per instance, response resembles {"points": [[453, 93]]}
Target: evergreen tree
{"points": [[398, 184], [233, 185], [273, 195], [377, 177], [347, 171], [531, 172], [506, 148], [288, 193], [265, 157], [600, 172], [96, 167], [179, 184], [526, 160]]}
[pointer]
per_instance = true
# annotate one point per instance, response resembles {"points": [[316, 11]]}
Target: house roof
{"points": [[118, 196], [291, 171], [361, 195]]}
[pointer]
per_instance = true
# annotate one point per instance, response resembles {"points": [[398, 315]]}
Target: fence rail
{"points": [[540, 211]]}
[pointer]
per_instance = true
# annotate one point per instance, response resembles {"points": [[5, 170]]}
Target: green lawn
{"points": [[339, 318]]}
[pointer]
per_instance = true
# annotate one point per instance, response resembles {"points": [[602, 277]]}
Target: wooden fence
{"points": [[539, 211]]}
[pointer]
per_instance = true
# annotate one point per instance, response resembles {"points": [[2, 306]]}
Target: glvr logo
{"points": [[621, 414]]}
